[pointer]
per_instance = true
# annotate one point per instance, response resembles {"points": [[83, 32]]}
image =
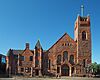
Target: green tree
{"points": [[95, 68], [98, 69]]}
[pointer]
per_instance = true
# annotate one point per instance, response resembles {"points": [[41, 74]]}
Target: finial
{"points": [[82, 10]]}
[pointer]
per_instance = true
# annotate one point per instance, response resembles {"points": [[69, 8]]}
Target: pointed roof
{"points": [[38, 45]]}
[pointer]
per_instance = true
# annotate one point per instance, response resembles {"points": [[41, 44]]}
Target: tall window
{"points": [[84, 62], [36, 62], [83, 35], [49, 62], [31, 58], [59, 59], [71, 59], [65, 55]]}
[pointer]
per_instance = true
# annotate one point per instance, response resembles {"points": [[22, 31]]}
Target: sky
{"points": [[23, 21]]}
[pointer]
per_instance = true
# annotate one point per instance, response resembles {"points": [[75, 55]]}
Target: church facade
{"points": [[67, 57]]}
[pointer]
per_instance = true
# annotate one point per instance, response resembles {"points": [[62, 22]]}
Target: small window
{"points": [[63, 44], [22, 58], [31, 58], [69, 44]]}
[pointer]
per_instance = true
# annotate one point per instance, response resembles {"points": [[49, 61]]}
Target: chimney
{"points": [[27, 45]]}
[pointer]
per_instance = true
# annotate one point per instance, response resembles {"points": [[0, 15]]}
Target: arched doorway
{"points": [[65, 70]]}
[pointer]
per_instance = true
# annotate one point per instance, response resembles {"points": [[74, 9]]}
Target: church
{"points": [[66, 57]]}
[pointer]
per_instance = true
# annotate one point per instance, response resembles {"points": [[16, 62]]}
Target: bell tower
{"points": [[82, 36]]}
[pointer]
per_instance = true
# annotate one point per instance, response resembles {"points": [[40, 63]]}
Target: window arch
{"points": [[65, 55], [72, 59], [83, 35], [59, 59]]}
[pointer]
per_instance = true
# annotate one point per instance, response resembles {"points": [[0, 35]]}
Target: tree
{"points": [[95, 68], [98, 69]]}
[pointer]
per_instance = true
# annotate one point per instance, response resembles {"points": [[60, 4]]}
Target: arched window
{"points": [[72, 59], [65, 55], [83, 35], [59, 59]]}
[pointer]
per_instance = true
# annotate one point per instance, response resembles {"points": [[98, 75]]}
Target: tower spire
{"points": [[38, 45], [82, 10]]}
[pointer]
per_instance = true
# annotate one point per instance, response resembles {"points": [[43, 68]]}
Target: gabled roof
{"points": [[38, 45], [60, 39], [16, 52]]}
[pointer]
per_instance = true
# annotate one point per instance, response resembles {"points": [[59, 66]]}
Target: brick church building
{"points": [[66, 57]]}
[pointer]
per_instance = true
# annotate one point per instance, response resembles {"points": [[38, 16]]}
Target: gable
{"points": [[64, 42], [27, 52], [65, 38]]}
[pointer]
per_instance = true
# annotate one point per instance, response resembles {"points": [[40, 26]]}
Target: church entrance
{"points": [[65, 70]]}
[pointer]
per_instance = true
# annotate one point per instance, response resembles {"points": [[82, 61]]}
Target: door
{"points": [[65, 70]]}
